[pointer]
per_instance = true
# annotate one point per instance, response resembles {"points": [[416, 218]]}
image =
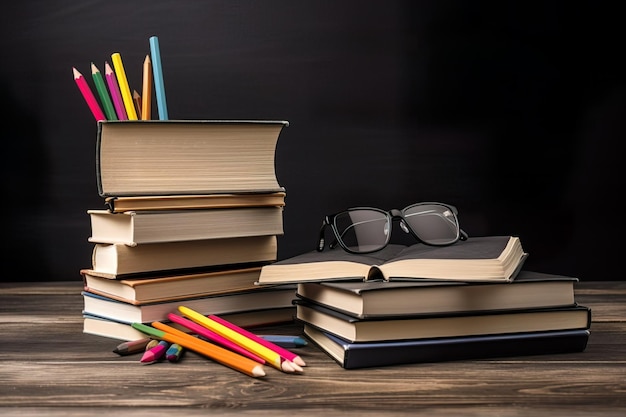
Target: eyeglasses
{"points": [[367, 229]]}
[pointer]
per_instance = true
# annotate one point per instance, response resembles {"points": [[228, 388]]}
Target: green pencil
{"points": [[107, 104]]}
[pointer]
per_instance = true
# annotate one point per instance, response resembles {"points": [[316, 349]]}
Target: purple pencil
{"points": [[114, 88], [212, 336]]}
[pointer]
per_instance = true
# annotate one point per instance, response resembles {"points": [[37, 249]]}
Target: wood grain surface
{"points": [[49, 367]]}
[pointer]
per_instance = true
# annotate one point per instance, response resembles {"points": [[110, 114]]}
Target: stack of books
{"points": [[421, 303], [192, 211]]}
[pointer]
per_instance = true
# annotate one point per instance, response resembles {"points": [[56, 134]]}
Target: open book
{"points": [[488, 258]]}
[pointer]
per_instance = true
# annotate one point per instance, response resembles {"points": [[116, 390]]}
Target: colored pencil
{"points": [[122, 81], [217, 353], [114, 89], [146, 93], [155, 353], [174, 352], [137, 101], [290, 356], [271, 357], [132, 346], [88, 95], [157, 71], [213, 337], [152, 344], [105, 99], [285, 341]]}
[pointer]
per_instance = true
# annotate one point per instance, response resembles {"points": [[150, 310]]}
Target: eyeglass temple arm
{"points": [[463, 234]]}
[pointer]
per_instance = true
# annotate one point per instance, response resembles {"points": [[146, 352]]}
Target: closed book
{"points": [[139, 227], [374, 354], [426, 326], [121, 204], [167, 157], [115, 329], [118, 260], [172, 286], [481, 258], [259, 299], [389, 298]]}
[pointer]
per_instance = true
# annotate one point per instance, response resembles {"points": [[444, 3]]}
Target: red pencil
{"points": [[88, 95]]}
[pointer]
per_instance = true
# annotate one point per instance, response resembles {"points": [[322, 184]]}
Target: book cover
{"points": [[484, 258], [116, 329], [177, 202], [423, 326], [375, 354], [364, 299], [117, 260], [155, 226], [259, 299], [168, 157], [172, 286]]}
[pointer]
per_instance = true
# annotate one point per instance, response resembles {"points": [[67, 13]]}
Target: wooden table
{"points": [[49, 367]]}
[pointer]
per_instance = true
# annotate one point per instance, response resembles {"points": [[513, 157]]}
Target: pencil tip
{"points": [[299, 361], [287, 367], [296, 367], [258, 371]]}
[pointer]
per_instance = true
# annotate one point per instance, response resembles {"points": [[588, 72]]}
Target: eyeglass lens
{"points": [[432, 223], [363, 230]]}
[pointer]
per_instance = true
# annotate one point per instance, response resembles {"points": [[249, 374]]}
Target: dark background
{"points": [[512, 111]]}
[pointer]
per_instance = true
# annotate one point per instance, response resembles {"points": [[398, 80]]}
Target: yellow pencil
{"points": [[146, 94], [272, 358], [120, 73]]}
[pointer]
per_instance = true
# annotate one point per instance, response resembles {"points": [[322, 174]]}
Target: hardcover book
{"points": [[374, 354], [168, 157], [487, 258], [364, 299], [139, 227], [426, 326], [260, 299], [172, 286], [179, 202], [120, 330], [119, 260]]}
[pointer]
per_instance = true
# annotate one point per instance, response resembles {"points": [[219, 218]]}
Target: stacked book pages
{"points": [[421, 303], [192, 211]]}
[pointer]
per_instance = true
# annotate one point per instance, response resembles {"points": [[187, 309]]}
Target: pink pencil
{"points": [[290, 356], [204, 332], [88, 95], [114, 88]]}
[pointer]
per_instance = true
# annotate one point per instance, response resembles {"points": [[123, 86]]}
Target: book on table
{"points": [[165, 286], [154, 226], [115, 329], [485, 258], [259, 299], [364, 299], [425, 326], [117, 260], [121, 204], [350, 355], [168, 157]]}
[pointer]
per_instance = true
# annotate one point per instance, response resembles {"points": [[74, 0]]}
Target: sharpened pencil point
{"points": [[287, 367], [299, 361], [258, 371]]}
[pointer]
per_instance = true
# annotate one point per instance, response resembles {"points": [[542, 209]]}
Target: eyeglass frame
{"points": [[391, 215]]}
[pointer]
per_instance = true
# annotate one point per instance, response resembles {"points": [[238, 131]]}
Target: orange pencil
{"points": [[146, 93], [224, 356]]}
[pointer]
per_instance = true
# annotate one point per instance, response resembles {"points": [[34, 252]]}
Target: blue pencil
{"points": [[284, 340], [157, 70]]}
